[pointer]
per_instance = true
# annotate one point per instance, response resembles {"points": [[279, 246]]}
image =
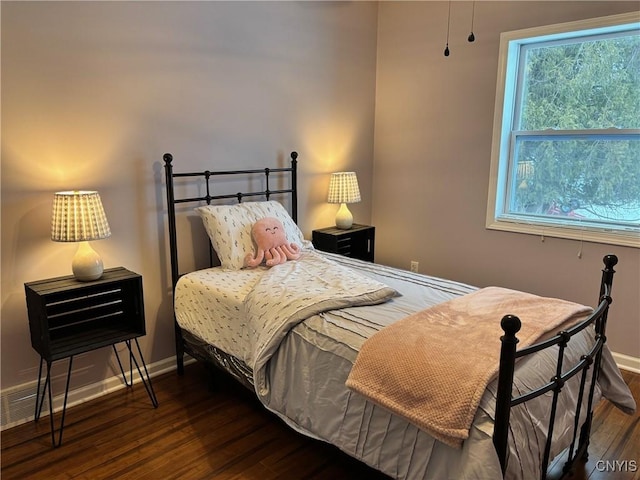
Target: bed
{"points": [[311, 338]]}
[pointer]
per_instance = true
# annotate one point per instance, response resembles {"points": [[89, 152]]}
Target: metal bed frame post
{"points": [[606, 285], [168, 169], [510, 325], [294, 186], [173, 247]]}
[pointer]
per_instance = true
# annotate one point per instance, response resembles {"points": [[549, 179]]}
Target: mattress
{"points": [[308, 371]]}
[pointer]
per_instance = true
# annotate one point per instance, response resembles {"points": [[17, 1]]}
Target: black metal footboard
{"points": [[588, 368]]}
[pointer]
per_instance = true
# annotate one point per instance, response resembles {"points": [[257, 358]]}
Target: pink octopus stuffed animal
{"points": [[271, 239]]}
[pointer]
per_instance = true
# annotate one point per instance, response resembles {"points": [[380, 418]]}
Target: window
{"points": [[566, 143]]}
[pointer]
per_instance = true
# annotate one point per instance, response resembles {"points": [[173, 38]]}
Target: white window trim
{"points": [[504, 106]]}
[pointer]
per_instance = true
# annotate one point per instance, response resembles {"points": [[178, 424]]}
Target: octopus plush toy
{"points": [[269, 235]]}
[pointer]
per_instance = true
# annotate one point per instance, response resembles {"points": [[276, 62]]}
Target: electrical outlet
{"points": [[414, 266]]}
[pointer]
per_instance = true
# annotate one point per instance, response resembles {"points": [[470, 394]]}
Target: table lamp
{"points": [[78, 216], [343, 189]]}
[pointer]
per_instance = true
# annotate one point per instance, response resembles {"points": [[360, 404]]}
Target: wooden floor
{"points": [[200, 433]]}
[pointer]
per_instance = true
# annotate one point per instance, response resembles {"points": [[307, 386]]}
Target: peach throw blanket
{"points": [[433, 367]]}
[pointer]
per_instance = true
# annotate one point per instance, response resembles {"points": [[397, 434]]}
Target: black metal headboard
{"points": [[208, 197]]}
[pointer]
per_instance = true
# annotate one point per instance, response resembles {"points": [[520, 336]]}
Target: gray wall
{"points": [[434, 118], [93, 94]]}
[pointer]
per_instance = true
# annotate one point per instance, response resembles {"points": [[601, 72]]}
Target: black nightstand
{"points": [[356, 242], [68, 317]]}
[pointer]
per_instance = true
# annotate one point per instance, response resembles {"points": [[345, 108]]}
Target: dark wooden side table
{"points": [[356, 242], [68, 317]]}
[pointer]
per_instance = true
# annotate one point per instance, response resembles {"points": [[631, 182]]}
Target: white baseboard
{"points": [[18, 403], [626, 362]]}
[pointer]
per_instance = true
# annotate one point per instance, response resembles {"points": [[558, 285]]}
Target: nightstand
{"points": [[68, 317], [356, 242]]}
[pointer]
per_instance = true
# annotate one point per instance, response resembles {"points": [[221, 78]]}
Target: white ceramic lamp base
{"points": [[87, 264], [344, 219]]}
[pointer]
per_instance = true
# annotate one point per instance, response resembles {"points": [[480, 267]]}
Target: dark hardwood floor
{"points": [[224, 433]]}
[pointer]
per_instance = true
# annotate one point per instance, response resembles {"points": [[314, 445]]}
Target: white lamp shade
{"points": [[343, 188], [78, 216]]}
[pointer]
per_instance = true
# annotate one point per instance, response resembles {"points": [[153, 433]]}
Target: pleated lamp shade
{"points": [[78, 216], [343, 189]]}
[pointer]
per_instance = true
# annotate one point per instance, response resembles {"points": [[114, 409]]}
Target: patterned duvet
{"points": [[309, 358]]}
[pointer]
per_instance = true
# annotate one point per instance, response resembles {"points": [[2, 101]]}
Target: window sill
{"points": [[629, 239]]}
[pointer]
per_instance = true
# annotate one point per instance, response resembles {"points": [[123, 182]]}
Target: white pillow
{"points": [[229, 228], [275, 209]]}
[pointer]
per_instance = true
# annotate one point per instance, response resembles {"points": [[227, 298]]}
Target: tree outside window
{"points": [[569, 152]]}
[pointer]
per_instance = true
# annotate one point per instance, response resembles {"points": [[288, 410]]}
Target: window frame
{"points": [[504, 135]]}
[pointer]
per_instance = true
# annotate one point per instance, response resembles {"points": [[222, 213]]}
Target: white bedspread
{"points": [[294, 291], [208, 303]]}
